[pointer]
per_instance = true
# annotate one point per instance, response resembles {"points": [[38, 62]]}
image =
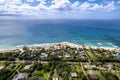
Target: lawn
{"points": [[117, 74], [42, 73], [76, 68], [16, 66], [1, 64], [98, 73], [91, 55]]}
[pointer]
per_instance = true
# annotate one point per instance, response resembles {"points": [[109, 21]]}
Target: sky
{"points": [[78, 9]]}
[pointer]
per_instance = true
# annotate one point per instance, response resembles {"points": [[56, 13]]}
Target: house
{"points": [[27, 67], [44, 55], [25, 48], [90, 67], [109, 66], [117, 55], [20, 76], [102, 68], [82, 55], [60, 56], [55, 79], [11, 65], [74, 74], [85, 66], [36, 78], [67, 55], [1, 67], [93, 67]]}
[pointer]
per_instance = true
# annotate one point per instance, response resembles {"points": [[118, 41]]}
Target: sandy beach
{"points": [[47, 45]]}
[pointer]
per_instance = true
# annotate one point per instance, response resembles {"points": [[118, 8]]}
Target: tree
{"points": [[39, 67]]}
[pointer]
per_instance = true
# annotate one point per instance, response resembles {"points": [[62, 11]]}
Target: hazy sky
{"points": [[80, 9]]}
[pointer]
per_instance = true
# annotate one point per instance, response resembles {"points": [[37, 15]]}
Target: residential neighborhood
{"points": [[60, 62]]}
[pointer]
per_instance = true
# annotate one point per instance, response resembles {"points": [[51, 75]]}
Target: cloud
{"points": [[91, 0], [60, 5], [54, 7], [75, 5], [86, 6], [110, 6], [2, 1], [30, 0]]}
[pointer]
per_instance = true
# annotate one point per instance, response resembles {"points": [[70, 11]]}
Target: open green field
{"points": [[98, 73]]}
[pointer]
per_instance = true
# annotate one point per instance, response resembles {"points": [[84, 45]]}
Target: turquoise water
{"points": [[101, 33]]}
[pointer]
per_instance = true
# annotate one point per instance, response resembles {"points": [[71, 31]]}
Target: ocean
{"points": [[100, 33]]}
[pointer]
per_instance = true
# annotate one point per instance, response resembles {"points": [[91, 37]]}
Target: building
{"points": [[36, 78], [1, 67], [67, 55], [74, 74], [25, 48], [27, 67], [44, 55], [55, 79], [20, 76]]}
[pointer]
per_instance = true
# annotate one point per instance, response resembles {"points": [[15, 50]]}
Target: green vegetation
{"points": [[60, 61]]}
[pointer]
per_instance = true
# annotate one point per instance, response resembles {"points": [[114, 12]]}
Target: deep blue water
{"points": [[101, 33]]}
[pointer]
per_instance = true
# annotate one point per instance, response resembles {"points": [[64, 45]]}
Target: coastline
{"points": [[62, 43]]}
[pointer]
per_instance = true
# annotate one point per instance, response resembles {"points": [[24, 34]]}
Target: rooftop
{"points": [[1, 67], [20, 76], [74, 74], [55, 79], [27, 67]]}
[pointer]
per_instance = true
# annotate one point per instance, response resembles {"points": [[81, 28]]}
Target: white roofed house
{"points": [[67, 55], [55, 79], [20, 76], [108, 66], [27, 67], [82, 55], [44, 55], [1, 67], [72, 75], [60, 55]]}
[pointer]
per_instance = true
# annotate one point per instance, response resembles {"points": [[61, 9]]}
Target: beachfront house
{"points": [[25, 48], [117, 55]]}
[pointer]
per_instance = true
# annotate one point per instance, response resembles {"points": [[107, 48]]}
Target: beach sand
{"points": [[46, 45]]}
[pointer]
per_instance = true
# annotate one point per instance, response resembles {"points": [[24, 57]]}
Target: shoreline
{"points": [[62, 43]]}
